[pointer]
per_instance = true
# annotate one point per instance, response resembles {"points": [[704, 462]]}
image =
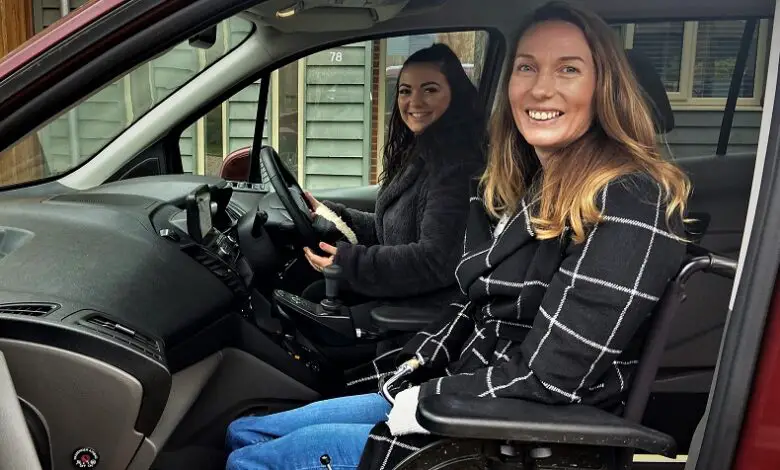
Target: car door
{"points": [[696, 61]]}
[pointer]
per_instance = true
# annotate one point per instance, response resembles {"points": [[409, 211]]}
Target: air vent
{"points": [[228, 275], [108, 199], [28, 309], [234, 211], [124, 334]]}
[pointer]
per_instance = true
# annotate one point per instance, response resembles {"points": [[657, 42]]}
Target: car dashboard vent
{"points": [[123, 334], [234, 211], [30, 309]]}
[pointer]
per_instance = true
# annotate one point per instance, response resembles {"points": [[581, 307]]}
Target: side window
{"points": [[327, 113], [696, 60], [223, 131], [82, 131]]}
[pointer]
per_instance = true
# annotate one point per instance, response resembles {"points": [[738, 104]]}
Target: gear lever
{"points": [[331, 303]]}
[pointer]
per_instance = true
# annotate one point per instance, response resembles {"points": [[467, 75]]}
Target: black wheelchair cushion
{"points": [[525, 421], [391, 318]]}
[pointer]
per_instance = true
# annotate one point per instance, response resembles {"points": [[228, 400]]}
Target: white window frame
{"points": [[683, 99]]}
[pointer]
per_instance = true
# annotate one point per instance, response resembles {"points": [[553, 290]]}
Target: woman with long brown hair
{"points": [[573, 234]]}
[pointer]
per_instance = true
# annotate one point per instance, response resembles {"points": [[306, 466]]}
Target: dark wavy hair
{"points": [[462, 122]]}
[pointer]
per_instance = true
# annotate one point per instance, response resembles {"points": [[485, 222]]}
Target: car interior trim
{"points": [[753, 289], [96, 404]]}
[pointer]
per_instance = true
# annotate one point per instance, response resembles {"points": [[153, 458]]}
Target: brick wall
{"points": [[375, 144]]}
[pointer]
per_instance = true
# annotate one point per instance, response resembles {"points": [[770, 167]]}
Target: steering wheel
{"points": [[290, 195]]}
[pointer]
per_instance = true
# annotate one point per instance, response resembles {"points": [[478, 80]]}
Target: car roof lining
{"points": [[445, 12]]}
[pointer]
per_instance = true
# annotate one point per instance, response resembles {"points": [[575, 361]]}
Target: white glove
{"points": [[402, 419]]}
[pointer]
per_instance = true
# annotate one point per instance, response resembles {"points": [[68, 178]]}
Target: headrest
{"points": [[651, 83]]}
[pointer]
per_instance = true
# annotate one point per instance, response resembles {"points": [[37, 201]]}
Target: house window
{"points": [[696, 59], [717, 46], [662, 43]]}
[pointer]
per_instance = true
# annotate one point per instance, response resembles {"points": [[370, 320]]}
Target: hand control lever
{"points": [[331, 303]]}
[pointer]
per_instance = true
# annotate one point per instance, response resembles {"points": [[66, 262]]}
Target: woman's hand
{"points": [[320, 262], [313, 202], [402, 419]]}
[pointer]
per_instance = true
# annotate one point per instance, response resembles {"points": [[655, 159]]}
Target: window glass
{"points": [[327, 113], [227, 128], [696, 61], [717, 45], [81, 132], [287, 116], [662, 43]]}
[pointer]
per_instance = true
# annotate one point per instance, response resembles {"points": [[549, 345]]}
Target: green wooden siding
{"points": [[168, 72], [241, 114], [103, 114], [187, 149], [107, 113], [337, 119], [696, 133]]}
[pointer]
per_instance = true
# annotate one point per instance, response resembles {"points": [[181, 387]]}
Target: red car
{"points": [[152, 160]]}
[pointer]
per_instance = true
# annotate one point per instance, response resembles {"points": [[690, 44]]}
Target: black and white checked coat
{"points": [[551, 321]]}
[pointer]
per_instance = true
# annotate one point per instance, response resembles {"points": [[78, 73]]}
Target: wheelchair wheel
{"points": [[454, 454]]}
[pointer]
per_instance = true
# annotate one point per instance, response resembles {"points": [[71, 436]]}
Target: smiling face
{"points": [[552, 86], [423, 95]]}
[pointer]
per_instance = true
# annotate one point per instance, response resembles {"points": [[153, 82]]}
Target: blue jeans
{"points": [[296, 439]]}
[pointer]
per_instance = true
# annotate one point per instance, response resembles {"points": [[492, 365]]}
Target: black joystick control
{"points": [[331, 303]]}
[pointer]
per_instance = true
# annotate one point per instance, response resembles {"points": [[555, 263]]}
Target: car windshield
{"points": [[79, 133]]}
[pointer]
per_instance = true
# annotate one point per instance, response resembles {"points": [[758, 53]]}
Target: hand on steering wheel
{"points": [[313, 203], [291, 196]]}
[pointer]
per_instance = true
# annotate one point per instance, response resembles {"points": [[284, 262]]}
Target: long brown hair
{"points": [[462, 121], [621, 141]]}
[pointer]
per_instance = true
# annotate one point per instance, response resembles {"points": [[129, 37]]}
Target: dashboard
{"points": [[126, 250], [107, 295], [143, 265]]}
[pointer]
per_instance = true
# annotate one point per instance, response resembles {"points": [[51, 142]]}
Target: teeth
{"points": [[543, 115]]}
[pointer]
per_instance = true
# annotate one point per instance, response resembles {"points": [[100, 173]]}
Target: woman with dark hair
{"points": [[572, 237], [407, 249]]}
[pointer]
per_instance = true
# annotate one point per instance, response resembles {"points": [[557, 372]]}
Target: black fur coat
{"points": [[408, 248]]}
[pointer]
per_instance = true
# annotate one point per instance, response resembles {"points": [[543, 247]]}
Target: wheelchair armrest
{"points": [[525, 421], [389, 318]]}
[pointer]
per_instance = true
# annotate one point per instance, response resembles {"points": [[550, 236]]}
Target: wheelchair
{"points": [[509, 434]]}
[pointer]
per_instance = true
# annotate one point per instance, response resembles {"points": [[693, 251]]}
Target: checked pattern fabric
{"points": [[551, 321]]}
